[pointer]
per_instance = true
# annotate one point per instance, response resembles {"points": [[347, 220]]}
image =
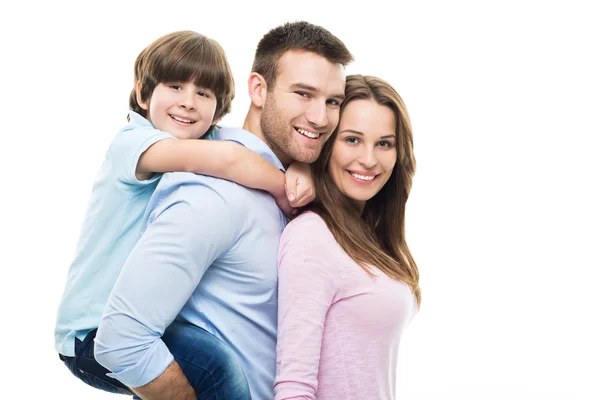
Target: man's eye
{"points": [[333, 102], [303, 94]]}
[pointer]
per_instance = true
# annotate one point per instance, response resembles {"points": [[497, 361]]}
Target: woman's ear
{"points": [[257, 89]]}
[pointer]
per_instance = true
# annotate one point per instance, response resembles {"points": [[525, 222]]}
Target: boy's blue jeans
{"points": [[210, 365]]}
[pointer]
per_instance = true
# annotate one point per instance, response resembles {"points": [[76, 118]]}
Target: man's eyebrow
{"points": [[304, 86], [340, 97]]}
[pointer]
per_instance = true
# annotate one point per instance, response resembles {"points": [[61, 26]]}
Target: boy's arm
{"points": [[217, 158], [299, 185]]}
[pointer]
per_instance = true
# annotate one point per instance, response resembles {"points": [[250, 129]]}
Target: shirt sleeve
{"points": [[190, 227], [125, 152], [307, 288]]}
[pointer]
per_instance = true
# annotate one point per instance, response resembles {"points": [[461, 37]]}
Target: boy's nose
{"points": [[187, 102]]}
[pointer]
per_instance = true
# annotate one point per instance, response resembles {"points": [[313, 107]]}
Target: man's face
{"points": [[302, 108]]}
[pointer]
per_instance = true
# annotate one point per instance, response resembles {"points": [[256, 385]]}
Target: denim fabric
{"points": [[210, 365], [85, 367]]}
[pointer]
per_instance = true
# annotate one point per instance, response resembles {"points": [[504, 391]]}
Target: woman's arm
{"points": [[307, 286]]}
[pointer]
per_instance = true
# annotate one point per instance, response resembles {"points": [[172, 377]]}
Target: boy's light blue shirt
{"points": [[110, 230], [207, 255]]}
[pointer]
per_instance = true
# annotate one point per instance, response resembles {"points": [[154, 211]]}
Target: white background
{"points": [[502, 221]]}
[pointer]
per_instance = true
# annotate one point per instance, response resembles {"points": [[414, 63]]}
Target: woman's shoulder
{"points": [[310, 228], [308, 223]]}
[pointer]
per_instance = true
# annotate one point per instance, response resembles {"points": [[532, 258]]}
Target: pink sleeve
{"points": [[307, 287]]}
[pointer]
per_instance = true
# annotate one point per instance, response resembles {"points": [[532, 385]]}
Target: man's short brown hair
{"points": [[300, 35]]}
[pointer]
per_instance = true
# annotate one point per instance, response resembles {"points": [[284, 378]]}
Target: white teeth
{"points": [[308, 134], [363, 177], [181, 120]]}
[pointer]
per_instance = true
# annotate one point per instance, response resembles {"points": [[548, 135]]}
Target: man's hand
{"points": [[170, 385], [299, 185]]}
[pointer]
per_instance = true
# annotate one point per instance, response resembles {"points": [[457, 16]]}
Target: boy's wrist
{"points": [[278, 188]]}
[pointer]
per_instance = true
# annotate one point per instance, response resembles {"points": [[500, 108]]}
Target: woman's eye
{"points": [[351, 140], [385, 143]]}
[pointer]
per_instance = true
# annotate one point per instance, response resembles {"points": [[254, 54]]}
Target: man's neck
{"points": [[252, 125]]}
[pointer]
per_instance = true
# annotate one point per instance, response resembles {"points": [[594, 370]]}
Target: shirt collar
{"points": [[249, 140], [137, 119]]}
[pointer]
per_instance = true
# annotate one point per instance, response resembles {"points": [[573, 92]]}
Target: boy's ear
{"points": [[138, 96], [257, 89]]}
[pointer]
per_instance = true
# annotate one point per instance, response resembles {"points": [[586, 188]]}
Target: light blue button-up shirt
{"points": [[208, 255]]}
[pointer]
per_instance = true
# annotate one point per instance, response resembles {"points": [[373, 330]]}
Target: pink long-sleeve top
{"points": [[338, 328]]}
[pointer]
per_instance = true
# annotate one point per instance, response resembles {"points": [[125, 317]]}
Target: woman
{"points": [[348, 285]]}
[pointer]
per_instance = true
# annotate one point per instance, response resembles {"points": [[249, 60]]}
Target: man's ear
{"points": [[257, 89], [138, 96]]}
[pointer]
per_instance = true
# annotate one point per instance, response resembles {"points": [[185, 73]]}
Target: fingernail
{"points": [[291, 196]]}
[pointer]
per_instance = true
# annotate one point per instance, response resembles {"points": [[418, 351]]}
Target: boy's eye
{"points": [[203, 94], [175, 86]]}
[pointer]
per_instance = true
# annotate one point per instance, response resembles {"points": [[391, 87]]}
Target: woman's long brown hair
{"points": [[374, 236]]}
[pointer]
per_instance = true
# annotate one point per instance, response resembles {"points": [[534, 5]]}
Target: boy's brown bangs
{"points": [[200, 63]]}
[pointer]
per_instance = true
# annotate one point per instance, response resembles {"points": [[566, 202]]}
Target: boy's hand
{"points": [[283, 203], [299, 185]]}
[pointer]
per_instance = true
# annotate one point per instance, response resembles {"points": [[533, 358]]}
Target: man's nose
{"points": [[317, 114]]}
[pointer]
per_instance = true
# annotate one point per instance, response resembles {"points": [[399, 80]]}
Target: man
{"points": [[207, 255]]}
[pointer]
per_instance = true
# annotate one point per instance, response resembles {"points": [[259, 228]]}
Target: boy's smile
{"points": [[181, 109]]}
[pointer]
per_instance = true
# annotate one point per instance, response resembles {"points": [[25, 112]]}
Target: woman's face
{"points": [[364, 151]]}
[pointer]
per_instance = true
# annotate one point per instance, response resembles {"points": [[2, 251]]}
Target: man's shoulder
{"points": [[181, 180], [197, 197], [201, 191]]}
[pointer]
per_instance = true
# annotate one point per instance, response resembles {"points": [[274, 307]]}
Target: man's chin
{"points": [[307, 158]]}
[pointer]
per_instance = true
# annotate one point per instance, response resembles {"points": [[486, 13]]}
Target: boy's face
{"points": [[302, 108], [181, 109]]}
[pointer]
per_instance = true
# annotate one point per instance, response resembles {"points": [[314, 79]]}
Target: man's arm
{"points": [[191, 226], [171, 384]]}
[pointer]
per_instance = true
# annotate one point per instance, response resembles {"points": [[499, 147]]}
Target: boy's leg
{"points": [[210, 365], [85, 367]]}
